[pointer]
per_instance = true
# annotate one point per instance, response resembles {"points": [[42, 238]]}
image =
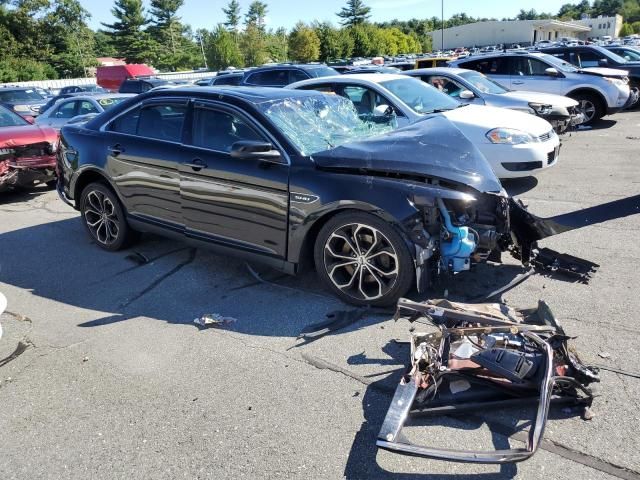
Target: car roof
{"points": [[98, 96], [437, 70], [255, 95], [277, 66]]}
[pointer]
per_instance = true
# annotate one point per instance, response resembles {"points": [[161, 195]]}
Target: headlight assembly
{"points": [[541, 108], [509, 136]]}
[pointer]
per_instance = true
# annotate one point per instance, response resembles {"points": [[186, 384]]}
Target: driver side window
{"points": [[445, 85], [370, 105], [68, 110], [218, 130]]}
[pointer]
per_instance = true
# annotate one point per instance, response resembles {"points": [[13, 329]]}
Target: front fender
{"points": [[399, 202]]}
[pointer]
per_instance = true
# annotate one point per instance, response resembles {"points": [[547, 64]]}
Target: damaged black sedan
{"points": [[283, 176]]}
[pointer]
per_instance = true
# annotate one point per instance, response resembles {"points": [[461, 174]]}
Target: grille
{"points": [[546, 136]]}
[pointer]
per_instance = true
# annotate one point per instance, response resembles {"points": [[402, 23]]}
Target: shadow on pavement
{"points": [[57, 260], [518, 186]]}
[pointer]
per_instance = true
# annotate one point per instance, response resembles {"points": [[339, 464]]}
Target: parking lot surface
{"points": [[112, 379]]}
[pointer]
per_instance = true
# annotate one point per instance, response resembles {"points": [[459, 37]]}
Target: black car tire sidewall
{"points": [[123, 231], [406, 273]]}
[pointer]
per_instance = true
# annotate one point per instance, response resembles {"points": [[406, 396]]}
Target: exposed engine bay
{"points": [[455, 234], [477, 357]]}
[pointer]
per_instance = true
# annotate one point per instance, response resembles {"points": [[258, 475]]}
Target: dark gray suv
{"points": [[285, 74]]}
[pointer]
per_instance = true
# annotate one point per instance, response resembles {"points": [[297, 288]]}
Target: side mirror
{"points": [[552, 72], [250, 149], [603, 62], [467, 95]]}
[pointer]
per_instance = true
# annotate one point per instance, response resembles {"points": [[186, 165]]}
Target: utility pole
{"points": [[204, 57], [442, 29]]}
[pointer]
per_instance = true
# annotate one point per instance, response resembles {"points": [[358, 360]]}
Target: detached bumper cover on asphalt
{"points": [[479, 358]]}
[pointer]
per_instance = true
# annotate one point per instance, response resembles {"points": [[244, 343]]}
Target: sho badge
{"points": [[303, 198]]}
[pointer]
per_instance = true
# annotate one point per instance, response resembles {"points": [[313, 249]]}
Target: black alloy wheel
{"points": [[363, 260]]}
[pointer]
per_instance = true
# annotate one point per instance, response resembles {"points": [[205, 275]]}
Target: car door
{"points": [[143, 148], [242, 203], [529, 74], [63, 113]]}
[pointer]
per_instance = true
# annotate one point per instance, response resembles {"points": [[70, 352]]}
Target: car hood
{"points": [[25, 135], [431, 147], [474, 117], [544, 98], [605, 72]]}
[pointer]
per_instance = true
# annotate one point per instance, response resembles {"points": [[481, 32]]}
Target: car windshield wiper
{"points": [[439, 110]]}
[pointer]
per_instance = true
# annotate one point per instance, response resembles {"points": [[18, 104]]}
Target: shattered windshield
{"points": [[318, 123], [419, 96]]}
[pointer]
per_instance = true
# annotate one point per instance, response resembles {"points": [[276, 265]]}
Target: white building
{"points": [[522, 32], [601, 26]]}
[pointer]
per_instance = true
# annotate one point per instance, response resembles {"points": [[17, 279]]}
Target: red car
{"points": [[27, 152]]}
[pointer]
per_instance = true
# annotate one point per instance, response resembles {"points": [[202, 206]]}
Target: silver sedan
{"points": [[78, 108], [469, 86]]}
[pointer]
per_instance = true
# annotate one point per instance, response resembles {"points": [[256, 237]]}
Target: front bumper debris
{"points": [[12, 175], [503, 358]]}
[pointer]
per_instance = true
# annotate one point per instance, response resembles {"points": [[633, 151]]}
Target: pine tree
{"points": [[355, 13], [129, 38], [256, 15], [165, 22], [232, 13]]}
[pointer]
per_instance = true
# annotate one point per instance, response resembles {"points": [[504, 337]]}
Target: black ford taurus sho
{"points": [[283, 176]]}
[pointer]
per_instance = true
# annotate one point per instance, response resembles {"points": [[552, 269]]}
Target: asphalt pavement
{"points": [[107, 376]]}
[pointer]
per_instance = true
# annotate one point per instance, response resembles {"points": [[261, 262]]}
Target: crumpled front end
{"points": [[27, 165], [478, 358], [562, 118]]}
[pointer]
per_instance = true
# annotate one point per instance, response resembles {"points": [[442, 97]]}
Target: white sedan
{"points": [[515, 144], [78, 108]]}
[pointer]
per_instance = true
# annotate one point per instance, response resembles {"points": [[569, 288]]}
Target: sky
{"points": [[285, 13]]}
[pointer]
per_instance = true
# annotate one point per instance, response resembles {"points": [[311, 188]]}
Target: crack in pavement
{"points": [[159, 280]]}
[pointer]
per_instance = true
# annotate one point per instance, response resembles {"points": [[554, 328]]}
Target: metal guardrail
{"points": [[66, 82]]}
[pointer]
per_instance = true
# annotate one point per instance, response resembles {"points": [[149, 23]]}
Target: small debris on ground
{"points": [[85, 359], [604, 355], [213, 320]]}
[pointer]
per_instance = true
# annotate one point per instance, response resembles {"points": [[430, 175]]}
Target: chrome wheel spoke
{"points": [[101, 217], [361, 261]]}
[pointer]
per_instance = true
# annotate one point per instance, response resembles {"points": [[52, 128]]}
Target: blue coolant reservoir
{"points": [[456, 246]]}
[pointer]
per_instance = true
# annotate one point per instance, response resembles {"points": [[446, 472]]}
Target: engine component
{"points": [[457, 244]]}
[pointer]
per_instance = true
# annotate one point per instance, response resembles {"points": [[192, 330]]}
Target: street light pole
{"points": [[442, 29], [204, 57]]}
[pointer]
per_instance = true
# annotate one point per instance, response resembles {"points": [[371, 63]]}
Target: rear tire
{"points": [[104, 218], [363, 260], [590, 105]]}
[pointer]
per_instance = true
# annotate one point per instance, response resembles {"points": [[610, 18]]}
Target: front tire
{"points": [[363, 260], [591, 106], [103, 217]]}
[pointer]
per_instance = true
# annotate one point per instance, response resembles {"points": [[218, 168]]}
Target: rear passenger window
{"points": [[297, 76], [162, 122], [217, 130], [278, 78]]}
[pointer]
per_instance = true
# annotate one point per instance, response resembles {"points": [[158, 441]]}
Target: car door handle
{"points": [[116, 149], [196, 164], [518, 83]]}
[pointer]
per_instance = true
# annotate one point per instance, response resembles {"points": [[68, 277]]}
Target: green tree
{"points": [[221, 49], [103, 45], [165, 23], [232, 12], [304, 44], [354, 13], [252, 46], [277, 46], [606, 7], [626, 29], [361, 41], [256, 15], [128, 36]]}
